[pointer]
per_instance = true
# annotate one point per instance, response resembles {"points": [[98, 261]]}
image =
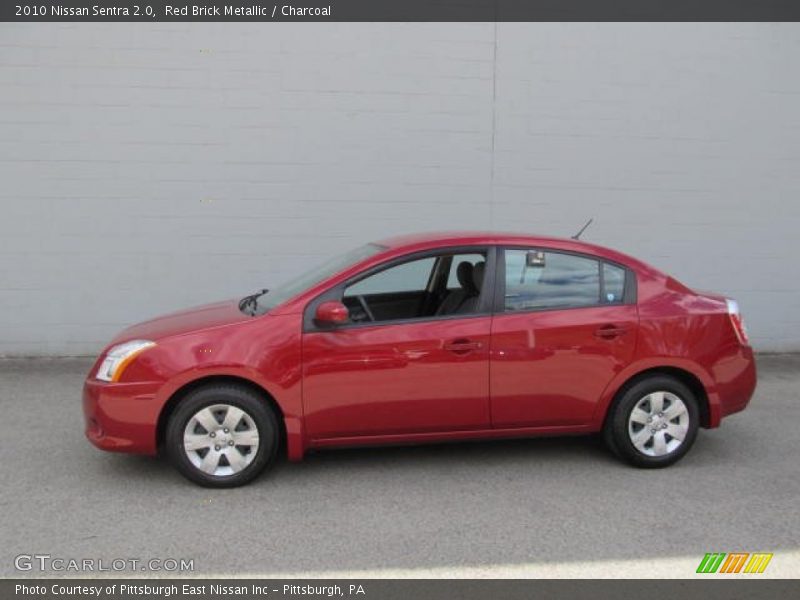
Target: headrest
{"points": [[464, 274]]}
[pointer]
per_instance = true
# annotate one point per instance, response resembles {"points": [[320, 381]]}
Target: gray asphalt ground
{"points": [[546, 501]]}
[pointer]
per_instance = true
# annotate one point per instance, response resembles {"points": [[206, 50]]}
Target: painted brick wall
{"points": [[149, 168]]}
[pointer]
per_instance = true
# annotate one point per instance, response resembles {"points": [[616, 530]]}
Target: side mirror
{"points": [[332, 312]]}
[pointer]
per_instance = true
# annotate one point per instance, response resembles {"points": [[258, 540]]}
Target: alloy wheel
{"points": [[658, 424], [221, 440]]}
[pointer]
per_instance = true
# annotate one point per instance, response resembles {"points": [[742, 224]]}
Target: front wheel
{"points": [[653, 423], [222, 436]]}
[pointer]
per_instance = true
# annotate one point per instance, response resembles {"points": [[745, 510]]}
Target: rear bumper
{"points": [[735, 378], [121, 417]]}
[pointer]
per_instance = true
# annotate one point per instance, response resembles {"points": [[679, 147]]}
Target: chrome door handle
{"points": [[609, 332], [462, 346]]}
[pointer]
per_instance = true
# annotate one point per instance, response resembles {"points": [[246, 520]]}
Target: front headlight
{"points": [[119, 357]]}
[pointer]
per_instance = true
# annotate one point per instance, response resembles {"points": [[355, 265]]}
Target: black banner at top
{"points": [[399, 10]]}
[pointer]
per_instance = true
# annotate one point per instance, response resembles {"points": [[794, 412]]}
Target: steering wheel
{"points": [[364, 305]]}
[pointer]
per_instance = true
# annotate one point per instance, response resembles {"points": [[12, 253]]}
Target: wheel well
{"points": [[181, 393], [685, 377]]}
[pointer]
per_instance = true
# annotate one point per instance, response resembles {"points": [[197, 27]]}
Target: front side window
{"points": [[405, 278], [432, 286], [540, 280], [474, 259]]}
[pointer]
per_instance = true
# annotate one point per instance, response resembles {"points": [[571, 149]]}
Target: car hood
{"points": [[185, 321]]}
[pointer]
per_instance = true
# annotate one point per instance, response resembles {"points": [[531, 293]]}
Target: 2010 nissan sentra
{"points": [[427, 338]]}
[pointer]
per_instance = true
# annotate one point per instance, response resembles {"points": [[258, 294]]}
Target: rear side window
{"points": [[540, 280], [613, 284]]}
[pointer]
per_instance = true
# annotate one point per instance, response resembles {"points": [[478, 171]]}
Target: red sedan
{"points": [[427, 338]]}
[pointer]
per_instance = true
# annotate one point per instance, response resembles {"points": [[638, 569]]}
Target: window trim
{"points": [[629, 293], [485, 302]]}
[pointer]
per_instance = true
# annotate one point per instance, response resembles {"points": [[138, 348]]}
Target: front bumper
{"points": [[122, 417]]}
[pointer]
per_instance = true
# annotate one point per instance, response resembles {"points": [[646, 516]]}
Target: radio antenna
{"points": [[577, 236]]}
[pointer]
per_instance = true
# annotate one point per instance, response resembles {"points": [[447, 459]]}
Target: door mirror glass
{"points": [[332, 313]]}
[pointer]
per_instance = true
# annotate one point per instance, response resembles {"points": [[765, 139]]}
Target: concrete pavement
{"points": [[547, 507]]}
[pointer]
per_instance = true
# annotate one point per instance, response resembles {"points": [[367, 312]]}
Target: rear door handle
{"points": [[609, 332], [462, 346]]}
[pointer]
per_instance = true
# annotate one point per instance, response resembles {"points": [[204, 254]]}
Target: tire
{"points": [[656, 442], [222, 436]]}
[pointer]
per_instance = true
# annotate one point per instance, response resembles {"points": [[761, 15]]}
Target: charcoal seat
{"points": [[465, 298]]}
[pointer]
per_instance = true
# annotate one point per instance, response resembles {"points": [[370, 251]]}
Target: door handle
{"points": [[609, 332], [462, 346]]}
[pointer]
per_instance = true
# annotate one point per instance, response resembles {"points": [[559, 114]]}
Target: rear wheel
{"points": [[653, 423], [222, 436]]}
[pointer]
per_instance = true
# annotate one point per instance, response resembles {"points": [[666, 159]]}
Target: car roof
{"points": [[435, 239], [459, 237]]}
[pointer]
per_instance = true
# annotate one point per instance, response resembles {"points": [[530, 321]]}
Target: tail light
{"points": [[737, 321]]}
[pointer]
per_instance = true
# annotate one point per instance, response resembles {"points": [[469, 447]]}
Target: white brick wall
{"points": [[147, 168]]}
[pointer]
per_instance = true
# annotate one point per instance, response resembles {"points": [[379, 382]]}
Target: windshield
{"points": [[293, 287]]}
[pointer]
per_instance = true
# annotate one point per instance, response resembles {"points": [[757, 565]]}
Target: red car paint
{"points": [[473, 376]]}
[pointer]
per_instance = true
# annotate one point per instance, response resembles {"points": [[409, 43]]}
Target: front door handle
{"points": [[462, 346], [609, 332]]}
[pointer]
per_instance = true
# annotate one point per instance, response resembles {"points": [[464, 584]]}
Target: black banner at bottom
{"points": [[391, 589]]}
